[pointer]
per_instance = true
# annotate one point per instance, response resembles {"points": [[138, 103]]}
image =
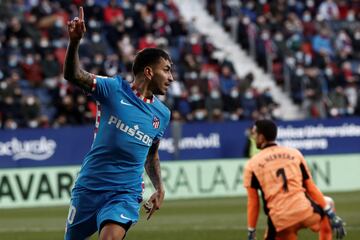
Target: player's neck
{"points": [[268, 144], [141, 90]]}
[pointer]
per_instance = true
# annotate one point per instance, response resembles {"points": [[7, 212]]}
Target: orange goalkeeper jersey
{"points": [[279, 172]]}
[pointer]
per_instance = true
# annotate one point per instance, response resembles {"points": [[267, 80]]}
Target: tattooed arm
{"points": [[152, 167], [72, 72]]}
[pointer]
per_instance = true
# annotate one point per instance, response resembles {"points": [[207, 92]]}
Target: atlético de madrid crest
{"points": [[156, 122]]}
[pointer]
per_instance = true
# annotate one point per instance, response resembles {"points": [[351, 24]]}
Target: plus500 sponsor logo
{"points": [[133, 132], [41, 149]]}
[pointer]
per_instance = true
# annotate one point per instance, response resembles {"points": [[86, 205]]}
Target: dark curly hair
{"points": [[148, 57]]}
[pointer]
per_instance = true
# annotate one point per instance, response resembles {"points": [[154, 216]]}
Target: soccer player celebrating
{"points": [[292, 201], [129, 124]]}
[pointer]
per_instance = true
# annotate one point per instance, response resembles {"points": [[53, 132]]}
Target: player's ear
{"points": [[262, 137], [148, 72]]}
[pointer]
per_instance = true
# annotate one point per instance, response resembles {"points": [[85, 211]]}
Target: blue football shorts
{"points": [[89, 210]]}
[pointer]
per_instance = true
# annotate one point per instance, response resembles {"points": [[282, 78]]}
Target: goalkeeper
{"points": [[292, 201]]}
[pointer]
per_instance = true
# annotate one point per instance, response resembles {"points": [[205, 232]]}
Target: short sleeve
{"points": [[103, 87]]}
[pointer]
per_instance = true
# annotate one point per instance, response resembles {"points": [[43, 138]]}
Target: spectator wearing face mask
{"points": [[248, 103], [197, 104], [214, 104], [337, 103], [30, 111], [32, 69], [227, 84]]}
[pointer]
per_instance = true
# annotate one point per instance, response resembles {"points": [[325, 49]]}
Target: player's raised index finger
{"points": [[81, 13]]}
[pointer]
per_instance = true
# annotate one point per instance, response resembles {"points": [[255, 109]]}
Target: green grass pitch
{"points": [[201, 219]]}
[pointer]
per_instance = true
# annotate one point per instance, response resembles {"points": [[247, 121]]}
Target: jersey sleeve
{"points": [[103, 87], [304, 167], [253, 207], [314, 192], [311, 189], [247, 175]]}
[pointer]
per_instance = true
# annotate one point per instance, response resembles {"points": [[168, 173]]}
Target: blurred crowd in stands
{"points": [[33, 41], [311, 47]]}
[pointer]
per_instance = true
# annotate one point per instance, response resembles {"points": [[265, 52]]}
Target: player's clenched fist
{"points": [[76, 27]]}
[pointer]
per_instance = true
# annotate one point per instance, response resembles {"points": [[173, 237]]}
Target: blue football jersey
{"points": [[126, 127]]}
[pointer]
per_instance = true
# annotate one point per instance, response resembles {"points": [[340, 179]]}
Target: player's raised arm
{"points": [[72, 71]]}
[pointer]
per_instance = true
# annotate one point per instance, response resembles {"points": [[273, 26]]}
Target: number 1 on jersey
{"points": [[281, 172]]}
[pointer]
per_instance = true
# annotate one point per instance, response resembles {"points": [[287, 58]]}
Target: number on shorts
{"points": [[281, 172]]}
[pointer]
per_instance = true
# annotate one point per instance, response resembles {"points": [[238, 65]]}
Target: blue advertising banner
{"points": [[318, 137], [68, 146], [44, 147], [229, 140], [206, 141]]}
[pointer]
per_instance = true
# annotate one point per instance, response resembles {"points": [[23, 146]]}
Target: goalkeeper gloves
{"points": [[251, 234], [337, 224]]}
